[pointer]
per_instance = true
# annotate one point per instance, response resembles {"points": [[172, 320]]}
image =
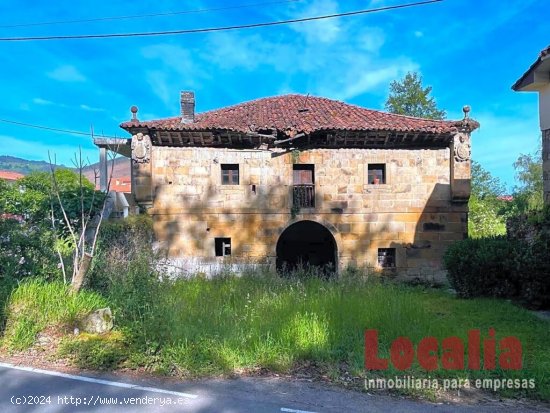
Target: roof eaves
{"points": [[528, 76]]}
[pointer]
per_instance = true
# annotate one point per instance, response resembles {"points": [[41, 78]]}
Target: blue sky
{"points": [[470, 52]]}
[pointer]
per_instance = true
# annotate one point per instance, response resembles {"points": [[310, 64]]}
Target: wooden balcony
{"points": [[303, 196]]}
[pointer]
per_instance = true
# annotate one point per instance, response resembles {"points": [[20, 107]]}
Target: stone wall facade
{"points": [[413, 211]]}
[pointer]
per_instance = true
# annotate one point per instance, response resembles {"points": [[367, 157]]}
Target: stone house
{"points": [[537, 79], [295, 179]]}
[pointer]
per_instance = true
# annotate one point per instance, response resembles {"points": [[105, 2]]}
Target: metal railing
{"points": [[303, 196]]}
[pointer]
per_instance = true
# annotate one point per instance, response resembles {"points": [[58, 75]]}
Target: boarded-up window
{"points": [[303, 174], [377, 173], [230, 174]]}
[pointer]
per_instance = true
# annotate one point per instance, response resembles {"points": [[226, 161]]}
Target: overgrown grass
{"points": [[198, 327], [92, 351], [201, 327], [36, 304]]}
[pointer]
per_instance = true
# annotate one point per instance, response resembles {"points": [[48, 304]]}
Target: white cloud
{"points": [[67, 73], [90, 108], [178, 70], [342, 70], [40, 101], [45, 102], [324, 31], [244, 51], [372, 39], [418, 33], [159, 83], [362, 80]]}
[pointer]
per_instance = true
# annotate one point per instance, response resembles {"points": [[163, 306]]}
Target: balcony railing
{"points": [[303, 196]]}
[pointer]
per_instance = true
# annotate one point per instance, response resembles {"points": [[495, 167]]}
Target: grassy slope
{"points": [[200, 327], [35, 305]]}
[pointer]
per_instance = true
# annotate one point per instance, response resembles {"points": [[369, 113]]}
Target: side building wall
{"points": [[546, 165], [412, 212]]}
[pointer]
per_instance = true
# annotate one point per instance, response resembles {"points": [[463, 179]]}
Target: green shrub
{"points": [[7, 285], [127, 232], [26, 250], [532, 271], [516, 266], [483, 267], [120, 242]]}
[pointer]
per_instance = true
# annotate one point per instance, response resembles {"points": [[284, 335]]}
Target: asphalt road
{"points": [[32, 390]]}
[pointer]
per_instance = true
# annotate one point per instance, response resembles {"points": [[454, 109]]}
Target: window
{"points": [[386, 257], [303, 176], [433, 226], [377, 173], [230, 174], [222, 247]]}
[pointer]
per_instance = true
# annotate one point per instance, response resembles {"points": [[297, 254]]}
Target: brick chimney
{"points": [[187, 100]]}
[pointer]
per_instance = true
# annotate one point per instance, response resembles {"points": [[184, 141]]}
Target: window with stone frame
{"points": [[386, 257], [376, 173], [230, 174]]}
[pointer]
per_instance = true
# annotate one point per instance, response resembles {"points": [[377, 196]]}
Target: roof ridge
{"points": [[284, 113]]}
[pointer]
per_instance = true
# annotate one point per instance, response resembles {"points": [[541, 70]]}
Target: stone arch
{"points": [[307, 242]]}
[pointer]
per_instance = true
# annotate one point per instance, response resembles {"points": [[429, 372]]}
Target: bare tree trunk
{"points": [[80, 276], [81, 258]]}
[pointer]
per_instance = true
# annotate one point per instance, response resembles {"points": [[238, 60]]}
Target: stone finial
{"points": [[134, 109], [467, 124], [466, 109]]}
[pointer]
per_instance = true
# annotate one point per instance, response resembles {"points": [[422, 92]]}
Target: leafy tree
{"points": [[30, 247], [408, 97], [26, 250], [31, 196], [484, 219], [487, 212], [485, 185], [528, 195]]}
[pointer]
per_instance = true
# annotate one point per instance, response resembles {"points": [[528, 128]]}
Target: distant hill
{"points": [[24, 166], [121, 169]]}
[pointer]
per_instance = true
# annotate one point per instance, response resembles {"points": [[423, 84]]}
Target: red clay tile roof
{"points": [[10, 176], [15, 217], [298, 113], [122, 184]]}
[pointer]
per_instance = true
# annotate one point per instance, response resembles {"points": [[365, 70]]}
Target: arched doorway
{"points": [[306, 243]]}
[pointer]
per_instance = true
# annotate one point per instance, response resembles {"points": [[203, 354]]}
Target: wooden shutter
{"points": [[303, 177]]}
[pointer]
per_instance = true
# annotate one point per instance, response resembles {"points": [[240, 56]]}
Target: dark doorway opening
{"points": [[306, 244]]}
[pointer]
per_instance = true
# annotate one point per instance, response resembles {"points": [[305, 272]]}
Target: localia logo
{"points": [[449, 353]]}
